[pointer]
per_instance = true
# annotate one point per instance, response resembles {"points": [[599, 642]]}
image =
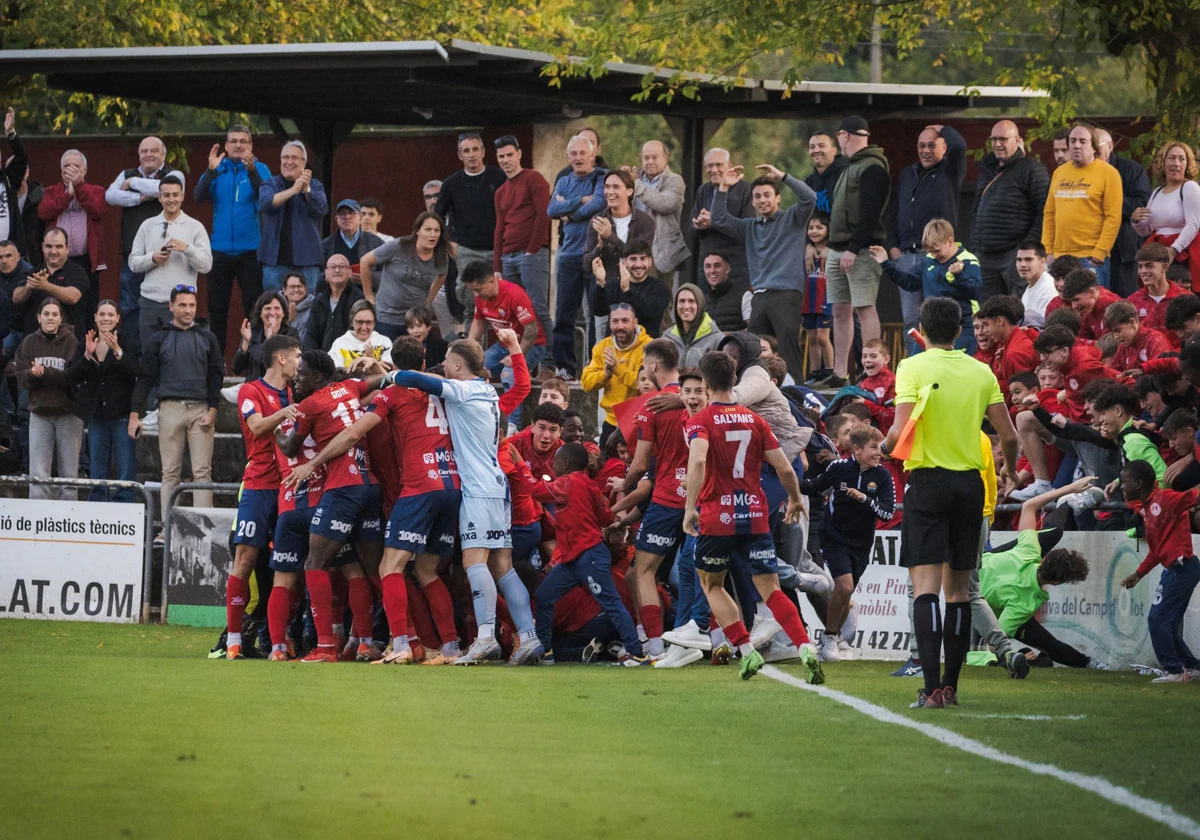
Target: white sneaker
{"points": [[1192, 673], [482, 650], [1084, 501], [1181, 677], [677, 657], [764, 629], [814, 583], [1097, 665], [150, 421], [230, 394], [780, 651], [846, 650], [688, 636], [828, 649], [1037, 488]]}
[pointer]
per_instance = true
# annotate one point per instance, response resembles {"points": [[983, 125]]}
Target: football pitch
{"points": [[130, 732]]}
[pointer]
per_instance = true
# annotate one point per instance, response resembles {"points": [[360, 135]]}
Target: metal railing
{"points": [[225, 488], [82, 483]]}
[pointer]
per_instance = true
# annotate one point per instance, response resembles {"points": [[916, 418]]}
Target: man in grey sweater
{"points": [[774, 241], [184, 361]]}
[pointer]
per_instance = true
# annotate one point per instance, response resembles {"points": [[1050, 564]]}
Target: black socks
{"points": [[927, 622], [956, 637]]}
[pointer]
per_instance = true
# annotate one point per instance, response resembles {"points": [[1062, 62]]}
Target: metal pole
{"points": [[876, 48], [168, 509]]}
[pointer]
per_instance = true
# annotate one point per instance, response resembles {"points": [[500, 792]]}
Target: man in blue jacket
{"points": [[232, 183], [576, 198], [292, 205]]}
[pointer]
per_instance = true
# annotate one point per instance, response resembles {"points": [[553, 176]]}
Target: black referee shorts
{"points": [[943, 512]]}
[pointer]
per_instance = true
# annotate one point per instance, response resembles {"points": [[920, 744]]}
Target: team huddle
{"points": [[350, 478]]}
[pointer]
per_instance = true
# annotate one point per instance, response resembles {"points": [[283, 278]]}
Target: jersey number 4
{"points": [[742, 439], [435, 416]]}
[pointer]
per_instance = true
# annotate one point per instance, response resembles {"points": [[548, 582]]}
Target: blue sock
{"points": [[483, 597], [517, 598]]}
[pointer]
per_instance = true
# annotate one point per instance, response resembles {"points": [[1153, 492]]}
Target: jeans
{"points": [[532, 273], [274, 275], [493, 360], [131, 295], [178, 422], [911, 262], [572, 291], [592, 569], [226, 268], [110, 440], [1101, 270], [1171, 601], [54, 440], [568, 647], [777, 313], [693, 603]]}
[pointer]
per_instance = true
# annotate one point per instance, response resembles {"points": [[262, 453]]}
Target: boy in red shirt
{"points": [[585, 561], [538, 443], [1138, 343], [880, 381], [1088, 299], [1168, 519], [1012, 345], [1157, 291]]}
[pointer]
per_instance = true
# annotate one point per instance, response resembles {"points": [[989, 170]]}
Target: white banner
{"points": [[1097, 616], [78, 561]]}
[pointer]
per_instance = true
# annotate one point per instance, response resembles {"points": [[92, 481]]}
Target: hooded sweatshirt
{"points": [[757, 392], [52, 394], [703, 335]]}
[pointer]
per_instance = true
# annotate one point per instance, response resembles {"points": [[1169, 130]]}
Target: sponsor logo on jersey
{"points": [[746, 499], [1155, 509], [726, 500], [433, 474], [287, 557], [726, 519], [428, 458], [1074, 383], [407, 536], [341, 527], [247, 406], [681, 474], [872, 486], [763, 554], [659, 539]]}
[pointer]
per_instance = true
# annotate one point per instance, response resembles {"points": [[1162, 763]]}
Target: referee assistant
{"points": [[946, 394]]}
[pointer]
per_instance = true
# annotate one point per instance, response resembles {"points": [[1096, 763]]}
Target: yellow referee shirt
{"points": [[947, 433]]}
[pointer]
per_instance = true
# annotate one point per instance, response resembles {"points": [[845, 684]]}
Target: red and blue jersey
{"points": [[732, 500], [421, 436], [814, 291], [258, 397], [324, 415], [309, 492], [664, 430]]}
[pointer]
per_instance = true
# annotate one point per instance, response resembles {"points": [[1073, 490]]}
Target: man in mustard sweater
{"points": [[614, 365], [1083, 208]]}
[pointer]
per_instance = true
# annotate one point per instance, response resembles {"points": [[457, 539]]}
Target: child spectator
{"points": [[838, 428], [770, 349], [556, 390], [1183, 317], [420, 321], [880, 381], [860, 492], [816, 311], [1065, 317], [1180, 450], [950, 270], [1091, 301], [1107, 346], [1020, 386], [984, 351], [1138, 344], [1150, 396], [1059, 269], [1011, 344], [582, 513], [1157, 292], [1116, 406], [776, 369], [1167, 515]]}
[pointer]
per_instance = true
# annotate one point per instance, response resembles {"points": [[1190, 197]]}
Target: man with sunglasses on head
{"points": [[170, 249]]}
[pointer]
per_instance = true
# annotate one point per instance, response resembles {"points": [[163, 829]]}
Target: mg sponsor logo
{"points": [[746, 499]]}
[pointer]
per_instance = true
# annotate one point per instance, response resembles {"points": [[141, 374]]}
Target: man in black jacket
{"points": [[1011, 190], [636, 286], [928, 189], [184, 361], [12, 182], [1135, 192], [329, 317], [708, 239]]}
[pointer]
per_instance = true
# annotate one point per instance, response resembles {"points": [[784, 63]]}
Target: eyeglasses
{"points": [[338, 268], [358, 323], [182, 287], [620, 307], [432, 196], [1000, 139]]}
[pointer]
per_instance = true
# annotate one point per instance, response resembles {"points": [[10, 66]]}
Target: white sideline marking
{"points": [[1116, 794], [1021, 717]]}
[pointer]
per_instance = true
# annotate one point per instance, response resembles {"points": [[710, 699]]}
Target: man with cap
{"points": [[351, 239], [856, 223]]}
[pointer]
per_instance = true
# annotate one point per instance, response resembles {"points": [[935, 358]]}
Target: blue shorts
{"points": [[525, 540], [485, 523], [255, 521], [345, 556], [291, 540], [349, 513], [843, 560], [754, 552], [819, 321], [424, 523], [661, 529]]}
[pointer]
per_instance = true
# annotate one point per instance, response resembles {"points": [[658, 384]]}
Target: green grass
{"points": [[120, 731]]}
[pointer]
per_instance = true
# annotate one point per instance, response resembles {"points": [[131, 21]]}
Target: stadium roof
{"points": [[427, 84]]}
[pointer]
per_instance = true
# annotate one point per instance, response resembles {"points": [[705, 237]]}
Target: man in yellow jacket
{"points": [[615, 362], [1083, 207]]}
